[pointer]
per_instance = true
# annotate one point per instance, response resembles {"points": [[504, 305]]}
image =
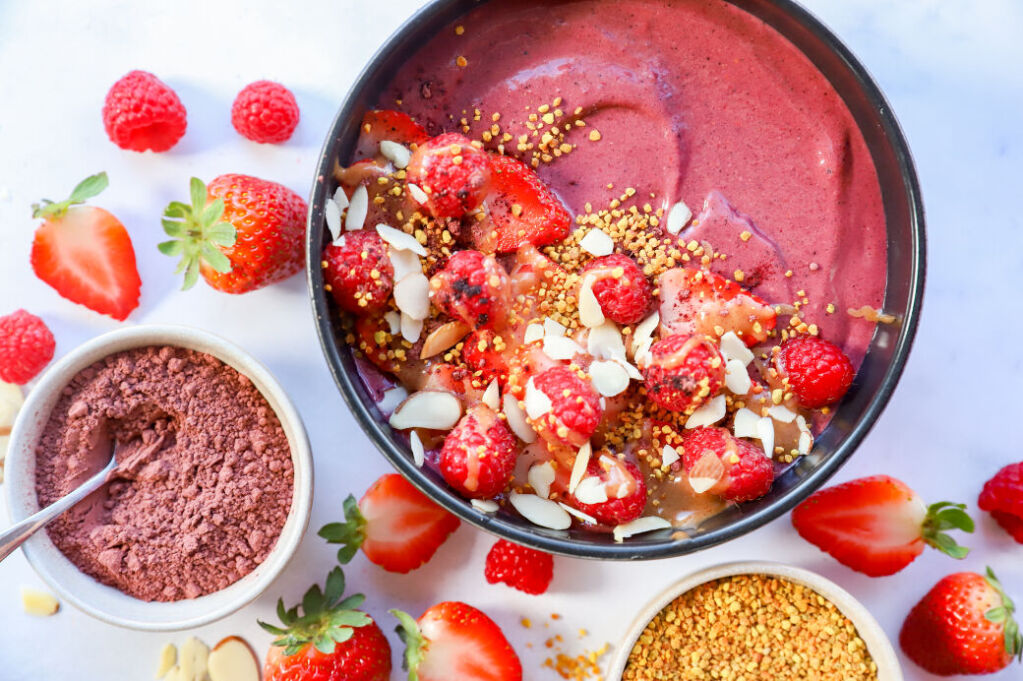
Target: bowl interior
{"points": [[853, 418], [888, 668], [108, 603]]}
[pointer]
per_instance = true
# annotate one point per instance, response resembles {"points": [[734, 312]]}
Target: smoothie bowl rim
{"points": [[107, 603], [595, 545]]}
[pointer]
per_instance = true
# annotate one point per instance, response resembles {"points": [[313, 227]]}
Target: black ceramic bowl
{"points": [[853, 418]]}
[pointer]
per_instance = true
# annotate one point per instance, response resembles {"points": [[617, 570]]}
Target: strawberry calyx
{"points": [[415, 645], [84, 190], [325, 620], [196, 232], [1003, 615], [941, 516], [350, 534]]}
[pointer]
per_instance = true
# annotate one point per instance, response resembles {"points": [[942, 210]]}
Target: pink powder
{"points": [[204, 481]]}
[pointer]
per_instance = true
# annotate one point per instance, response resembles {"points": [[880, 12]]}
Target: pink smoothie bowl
{"points": [[884, 353]]}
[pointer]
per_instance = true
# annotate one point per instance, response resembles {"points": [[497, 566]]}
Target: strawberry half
{"points": [[697, 301], [379, 125], [521, 210], [396, 526], [85, 253], [878, 525], [453, 640]]}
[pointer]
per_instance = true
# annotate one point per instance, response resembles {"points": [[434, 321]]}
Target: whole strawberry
{"points": [[242, 233], [142, 113], [817, 371], [1002, 496], [684, 372], [964, 625], [479, 455], [85, 253], [265, 112], [329, 640], [26, 347], [520, 567]]}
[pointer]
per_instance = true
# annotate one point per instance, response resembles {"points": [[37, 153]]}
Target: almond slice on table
{"points": [[233, 660], [38, 603], [540, 478], [444, 337], [193, 658], [398, 154], [517, 419], [430, 409], [400, 240], [168, 658], [597, 243], [358, 209], [542, 512], [640, 525], [485, 505]]}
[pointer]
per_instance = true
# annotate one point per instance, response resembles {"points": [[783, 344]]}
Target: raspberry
{"points": [[616, 510], [684, 372], [350, 264], [818, 372], [454, 174], [621, 288], [471, 287], [519, 567], [26, 346], [265, 112], [141, 112], [745, 473], [575, 407], [482, 352], [479, 455], [1002, 496]]}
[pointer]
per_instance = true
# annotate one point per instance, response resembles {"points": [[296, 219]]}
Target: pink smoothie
{"points": [[694, 100]]}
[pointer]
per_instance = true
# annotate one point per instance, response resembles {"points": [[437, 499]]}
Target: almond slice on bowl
{"points": [[412, 295], [430, 409], [591, 490], [417, 193], [561, 348], [418, 450], [485, 505], [340, 198], [542, 512], [596, 242], [709, 414], [590, 313], [332, 214], [492, 396], [398, 154], [411, 329], [678, 217], [358, 209], [442, 338], [669, 455], [232, 660], [805, 442], [706, 472], [400, 240], [552, 327], [648, 523], [781, 413], [606, 342], [745, 422], [585, 517], [404, 263], [537, 402], [582, 461], [765, 432], [517, 419], [534, 332], [732, 347], [540, 478], [609, 377], [391, 398], [737, 379]]}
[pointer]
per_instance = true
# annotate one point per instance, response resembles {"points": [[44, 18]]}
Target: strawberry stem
{"points": [[350, 533], [1003, 615], [197, 234], [410, 634], [942, 516], [84, 190]]}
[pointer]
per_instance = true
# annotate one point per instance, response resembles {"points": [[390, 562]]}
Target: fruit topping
{"points": [[621, 289], [358, 271], [472, 287], [816, 370], [612, 491], [562, 406], [684, 372], [696, 301], [479, 455], [453, 174], [731, 467]]}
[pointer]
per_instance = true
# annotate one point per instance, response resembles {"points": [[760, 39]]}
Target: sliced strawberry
{"points": [[396, 525], [520, 208], [453, 640], [878, 525], [386, 124], [698, 301], [85, 253]]}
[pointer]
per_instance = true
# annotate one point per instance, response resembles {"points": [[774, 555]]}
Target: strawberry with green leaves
{"points": [[240, 232], [85, 253], [326, 638], [396, 526]]}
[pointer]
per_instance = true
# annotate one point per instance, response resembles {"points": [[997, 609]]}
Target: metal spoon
{"points": [[15, 536]]}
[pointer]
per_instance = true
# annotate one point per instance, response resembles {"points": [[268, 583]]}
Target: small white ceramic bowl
{"points": [[107, 603], [870, 631]]}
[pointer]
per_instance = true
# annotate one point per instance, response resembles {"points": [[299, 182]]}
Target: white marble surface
{"points": [[951, 70]]}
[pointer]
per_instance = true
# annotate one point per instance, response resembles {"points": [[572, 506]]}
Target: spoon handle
{"points": [[15, 536]]}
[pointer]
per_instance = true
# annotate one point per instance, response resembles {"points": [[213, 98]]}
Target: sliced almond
{"points": [[430, 409], [590, 314], [732, 347], [537, 402], [801, 422], [561, 348], [391, 398], [805, 443], [412, 295], [591, 490], [737, 379], [706, 472], [492, 396], [193, 659], [765, 432], [411, 329], [709, 414], [534, 332], [485, 505], [400, 240], [38, 603], [398, 154], [340, 198], [233, 660], [781, 413], [669, 455], [417, 193], [168, 658], [609, 378], [332, 215], [678, 217], [542, 512], [644, 331], [582, 461], [606, 342], [642, 356], [745, 423], [585, 517], [443, 337], [358, 209], [540, 478], [596, 242], [648, 523], [418, 450], [517, 419], [404, 263], [553, 327], [11, 399]]}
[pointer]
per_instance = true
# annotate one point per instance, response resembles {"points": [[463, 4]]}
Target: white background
{"points": [[951, 70]]}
